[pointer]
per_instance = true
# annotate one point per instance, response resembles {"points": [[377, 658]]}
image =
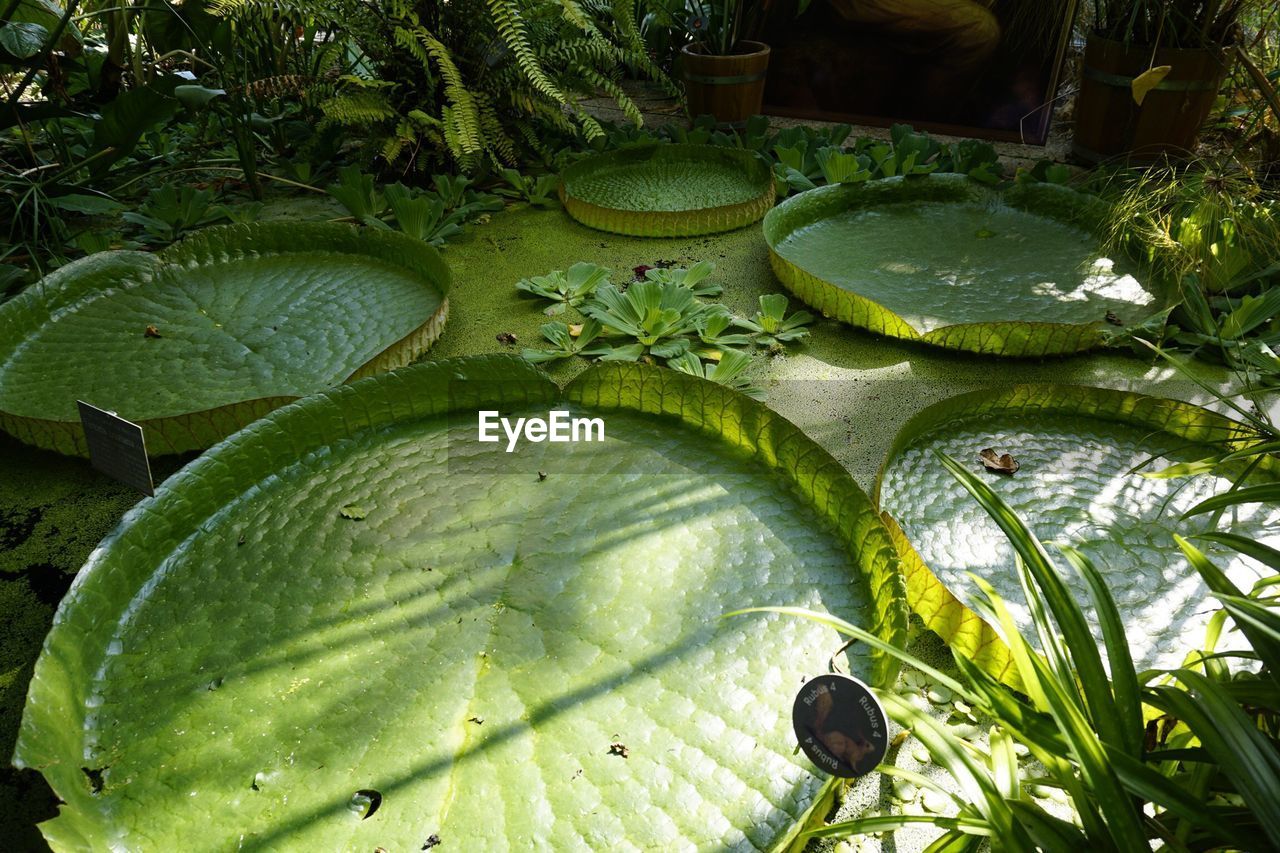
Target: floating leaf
{"points": [[1088, 487], [898, 258], [668, 190], [361, 669], [267, 312]]}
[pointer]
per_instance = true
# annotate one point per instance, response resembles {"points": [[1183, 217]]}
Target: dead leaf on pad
{"points": [[1001, 463]]}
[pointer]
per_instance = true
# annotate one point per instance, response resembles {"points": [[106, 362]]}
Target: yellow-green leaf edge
{"points": [[54, 715], [1010, 339], [941, 611], [669, 223], [200, 429]]}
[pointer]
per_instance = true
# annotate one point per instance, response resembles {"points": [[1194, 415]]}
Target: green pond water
{"points": [[312, 654], [674, 185], [942, 264]]}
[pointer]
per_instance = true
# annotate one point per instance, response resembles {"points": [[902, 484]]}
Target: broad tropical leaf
{"points": [[948, 261], [668, 190], [353, 625], [198, 340]]}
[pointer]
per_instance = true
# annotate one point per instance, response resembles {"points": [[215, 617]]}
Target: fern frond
{"points": [[614, 91], [506, 17], [360, 108], [462, 115]]}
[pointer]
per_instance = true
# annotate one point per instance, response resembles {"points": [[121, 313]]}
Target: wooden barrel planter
{"points": [[1108, 124], [731, 88]]}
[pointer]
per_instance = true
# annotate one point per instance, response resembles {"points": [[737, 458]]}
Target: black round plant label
{"points": [[840, 725]]}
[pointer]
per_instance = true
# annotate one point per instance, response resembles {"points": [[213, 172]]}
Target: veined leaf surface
{"points": [[510, 649], [1076, 447], [947, 261], [196, 341], [668, 190]]}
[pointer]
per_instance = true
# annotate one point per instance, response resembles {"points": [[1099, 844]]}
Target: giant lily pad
{"points": [[352, 625], [947, 261], [1076, 451], [668, 190], [215, 331]]}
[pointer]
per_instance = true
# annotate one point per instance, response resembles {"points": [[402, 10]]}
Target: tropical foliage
{"points": [[661, 315], [1187, 758]]}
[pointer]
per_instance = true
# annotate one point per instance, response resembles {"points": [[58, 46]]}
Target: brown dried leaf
{"points": [[1001, 463], [151, 332], [619, 748]]}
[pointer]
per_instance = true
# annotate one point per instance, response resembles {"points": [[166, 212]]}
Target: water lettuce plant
{"points": [[565, 344], [420, 215], [565, 288], [695, 278], [713, 332], [725, 371], [772, 325], [535, 190], [659, 317], [433, 216], [805, 157], [485, 647], [662, 317]]}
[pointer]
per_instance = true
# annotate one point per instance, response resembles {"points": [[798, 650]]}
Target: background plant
{"points": [[662, 316], [481, 82], [431, 215], [805, 157], [1169, 23]]}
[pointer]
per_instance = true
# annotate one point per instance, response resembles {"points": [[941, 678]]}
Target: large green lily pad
{"points": [[947, 261], [668, 190], [503, 650], [215, 331], [1077, 449]]}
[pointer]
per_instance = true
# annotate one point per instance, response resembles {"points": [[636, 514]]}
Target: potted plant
{"points": [[723, 74], [1150, 75]]}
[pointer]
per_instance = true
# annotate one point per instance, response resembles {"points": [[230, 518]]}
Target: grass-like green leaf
{"points": [[1264, 493], [1246, 755], [1267, 646]]}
